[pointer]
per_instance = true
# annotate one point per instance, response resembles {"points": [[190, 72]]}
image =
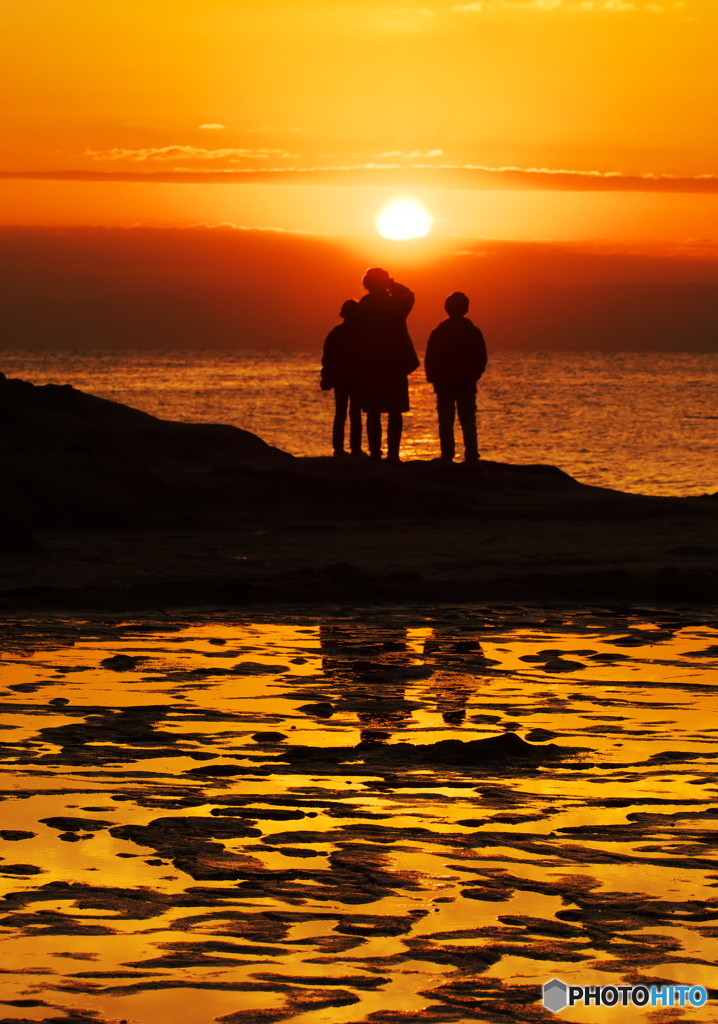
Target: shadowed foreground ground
{"points": [[104, 506]]}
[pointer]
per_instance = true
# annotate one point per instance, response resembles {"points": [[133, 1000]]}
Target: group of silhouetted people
{"points": [[367, 360]]}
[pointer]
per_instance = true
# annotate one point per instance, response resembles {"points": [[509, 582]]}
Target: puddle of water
{"points": [[252, 821]]}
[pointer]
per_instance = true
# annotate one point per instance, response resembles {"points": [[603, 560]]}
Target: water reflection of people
{"points": [[453, 688], [363, 662], [360, 660], [339, 371], [387, 357]]}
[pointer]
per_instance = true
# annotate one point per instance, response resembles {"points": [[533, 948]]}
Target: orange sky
{"points": [[187, 87]]}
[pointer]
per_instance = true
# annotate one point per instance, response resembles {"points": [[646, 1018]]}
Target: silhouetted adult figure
{"points": [[340, 372], [455, 360], [387, 357]]}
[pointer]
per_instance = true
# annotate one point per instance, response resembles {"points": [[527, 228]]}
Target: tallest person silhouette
{"points": [[386, 356]]}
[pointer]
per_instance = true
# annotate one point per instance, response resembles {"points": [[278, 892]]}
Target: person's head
{"points": [[376, 279], [457, 304], [348, 309]]}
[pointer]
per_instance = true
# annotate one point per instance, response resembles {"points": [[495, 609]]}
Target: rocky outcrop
{"points": [[104, 506], [71, 459]]}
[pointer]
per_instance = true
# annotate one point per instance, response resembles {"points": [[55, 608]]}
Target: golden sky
{"points": [[616, 93]]}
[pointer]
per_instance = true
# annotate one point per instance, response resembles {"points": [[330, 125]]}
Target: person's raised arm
{"points": [[403, 297]]}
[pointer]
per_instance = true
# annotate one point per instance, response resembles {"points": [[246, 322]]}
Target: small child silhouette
{"points": [[455, 360], [339, 371]]}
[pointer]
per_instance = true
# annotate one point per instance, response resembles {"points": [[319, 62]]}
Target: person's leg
{"points": [[355, 426], [373, 434], [445, 408], [466, 408], [393, 435], [341, 399]]}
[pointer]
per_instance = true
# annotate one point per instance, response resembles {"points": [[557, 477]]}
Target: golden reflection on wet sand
{"points": [[262, 821]]}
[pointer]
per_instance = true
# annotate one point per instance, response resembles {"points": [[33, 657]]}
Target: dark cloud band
{"points": [[416, 176]]}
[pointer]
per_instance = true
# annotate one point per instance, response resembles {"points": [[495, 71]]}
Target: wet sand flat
{"points": [[366, 814]]}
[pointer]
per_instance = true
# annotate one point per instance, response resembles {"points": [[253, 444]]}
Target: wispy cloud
{"points": [[211, 126], [183, 153], [597, 6], [251, 228], [413, 154]]}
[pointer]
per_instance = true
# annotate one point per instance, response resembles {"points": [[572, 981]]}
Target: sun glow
{"points": [[404, 218]]}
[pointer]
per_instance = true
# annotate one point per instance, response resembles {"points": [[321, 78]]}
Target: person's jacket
{"points": [[455, 355], [340, 357], [385, 348]]}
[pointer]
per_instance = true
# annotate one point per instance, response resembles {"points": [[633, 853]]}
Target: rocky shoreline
{"points": [[106, 507]]}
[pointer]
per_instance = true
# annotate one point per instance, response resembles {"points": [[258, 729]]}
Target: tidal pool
{"points": [[371, 816]]}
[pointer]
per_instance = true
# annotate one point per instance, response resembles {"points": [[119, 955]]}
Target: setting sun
{"points": [[404, 218]]}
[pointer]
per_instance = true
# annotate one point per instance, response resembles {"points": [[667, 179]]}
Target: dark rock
{"points": [[132, 727], [121, 662], [258, 813], [487, 895], [216, 770], [454, 717], [70, 824], [321, 710], [72, 458], [13, 836], [562, 665], [504, 748], [706, 652], [374, 735], [257, 668], [540, 735], [288, 851], [20, 869]]}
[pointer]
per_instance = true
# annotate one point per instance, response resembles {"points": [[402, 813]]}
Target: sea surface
{"points": [[260, 819], [640, 422]]}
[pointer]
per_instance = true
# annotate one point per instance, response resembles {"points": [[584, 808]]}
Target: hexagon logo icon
{"points": [[554, 995]]}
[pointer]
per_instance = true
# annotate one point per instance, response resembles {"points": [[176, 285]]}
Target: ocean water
{"points": [[639, 422]]}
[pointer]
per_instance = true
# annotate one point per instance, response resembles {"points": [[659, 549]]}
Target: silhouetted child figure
{"points": [[339, 371], [455, 360]]}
